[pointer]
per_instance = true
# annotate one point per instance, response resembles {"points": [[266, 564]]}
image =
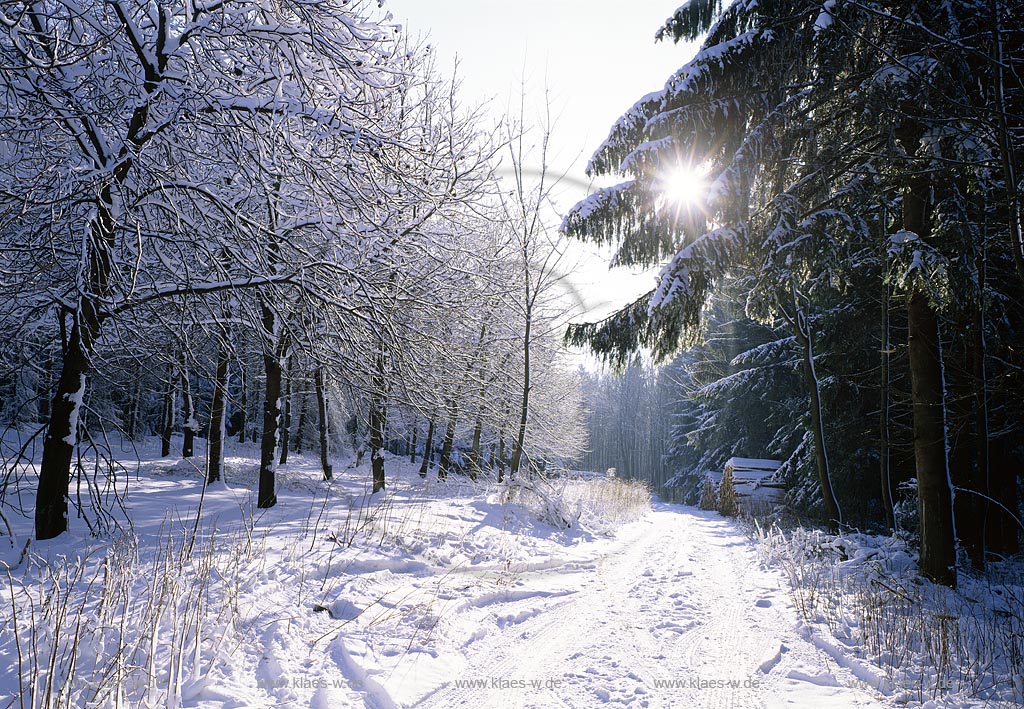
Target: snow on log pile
{"points": [[757, 490]]}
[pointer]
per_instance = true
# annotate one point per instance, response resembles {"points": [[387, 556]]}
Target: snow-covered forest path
{"points": [[439, 594], [675, 612]]}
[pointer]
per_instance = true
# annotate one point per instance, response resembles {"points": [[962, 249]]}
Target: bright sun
{"points": [[684, 186]]}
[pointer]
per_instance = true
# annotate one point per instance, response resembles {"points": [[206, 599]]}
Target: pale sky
{"points": [[597, 58]]}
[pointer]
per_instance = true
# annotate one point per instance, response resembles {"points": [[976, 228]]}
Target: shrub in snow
{"points": [[864, 604], [541, 499], [709, 495], [595, 504], [905, 510], [727, 505], [127, 625], [605, 504]]}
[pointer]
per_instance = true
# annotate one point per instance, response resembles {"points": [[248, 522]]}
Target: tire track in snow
{"points": [[679, 597]]}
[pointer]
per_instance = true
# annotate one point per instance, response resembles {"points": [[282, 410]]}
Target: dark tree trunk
{"points": [[980, 390], [268, 446], [325, 442], [832, 513], [189, 425], [376, 446], [884, 423], [134, 410], [62, 428], [300, 427], [167, 424], [444, 464], [428, 450], [524, 407], [412, 448], [272, 365], [475, 455], [377, 422], [501, 456], [286, 417], [215, 435], [802, 330], [968, 507], [61, 435], [935, 505], [934, 495], [243, 403], [1002, 529]]}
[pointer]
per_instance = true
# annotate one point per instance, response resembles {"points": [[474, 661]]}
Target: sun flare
{"points": [[684, 186]]}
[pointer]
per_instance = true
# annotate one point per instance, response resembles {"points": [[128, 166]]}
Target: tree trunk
{"points": [[61, 436], [884, 453], [134, 410], [428, 450], [215, 435], [1002, 530], [475, 455], [190, 425], [272, 365], [376, 446], [377, 422], [243, 403], [935, 504], [804, 336], [325, 443], [968, 507], [501, 456], [412, 447], [980, 391], [445, 462], [286, 416], [62, 428], [524, 409], [934, 493], [300, 427], [167, 424]]}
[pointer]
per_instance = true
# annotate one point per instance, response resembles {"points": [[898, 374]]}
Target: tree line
{"points": [[853, 275], [274, 219]]}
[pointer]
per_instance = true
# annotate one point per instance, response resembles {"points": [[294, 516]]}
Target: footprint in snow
{"points": [[772, 658], [763, 603], [823, 679]]}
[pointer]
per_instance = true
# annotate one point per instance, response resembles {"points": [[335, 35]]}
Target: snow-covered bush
{"points": [[596, 504], [605, 504], [543, 500], [863, 601], [122, 626], [905, 508]]}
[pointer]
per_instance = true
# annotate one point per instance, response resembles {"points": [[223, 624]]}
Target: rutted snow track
{"points": [[675, 612], [450, 595]]}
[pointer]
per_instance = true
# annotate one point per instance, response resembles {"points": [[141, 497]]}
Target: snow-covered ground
{"points": [[435, 594], [861, 601]]}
